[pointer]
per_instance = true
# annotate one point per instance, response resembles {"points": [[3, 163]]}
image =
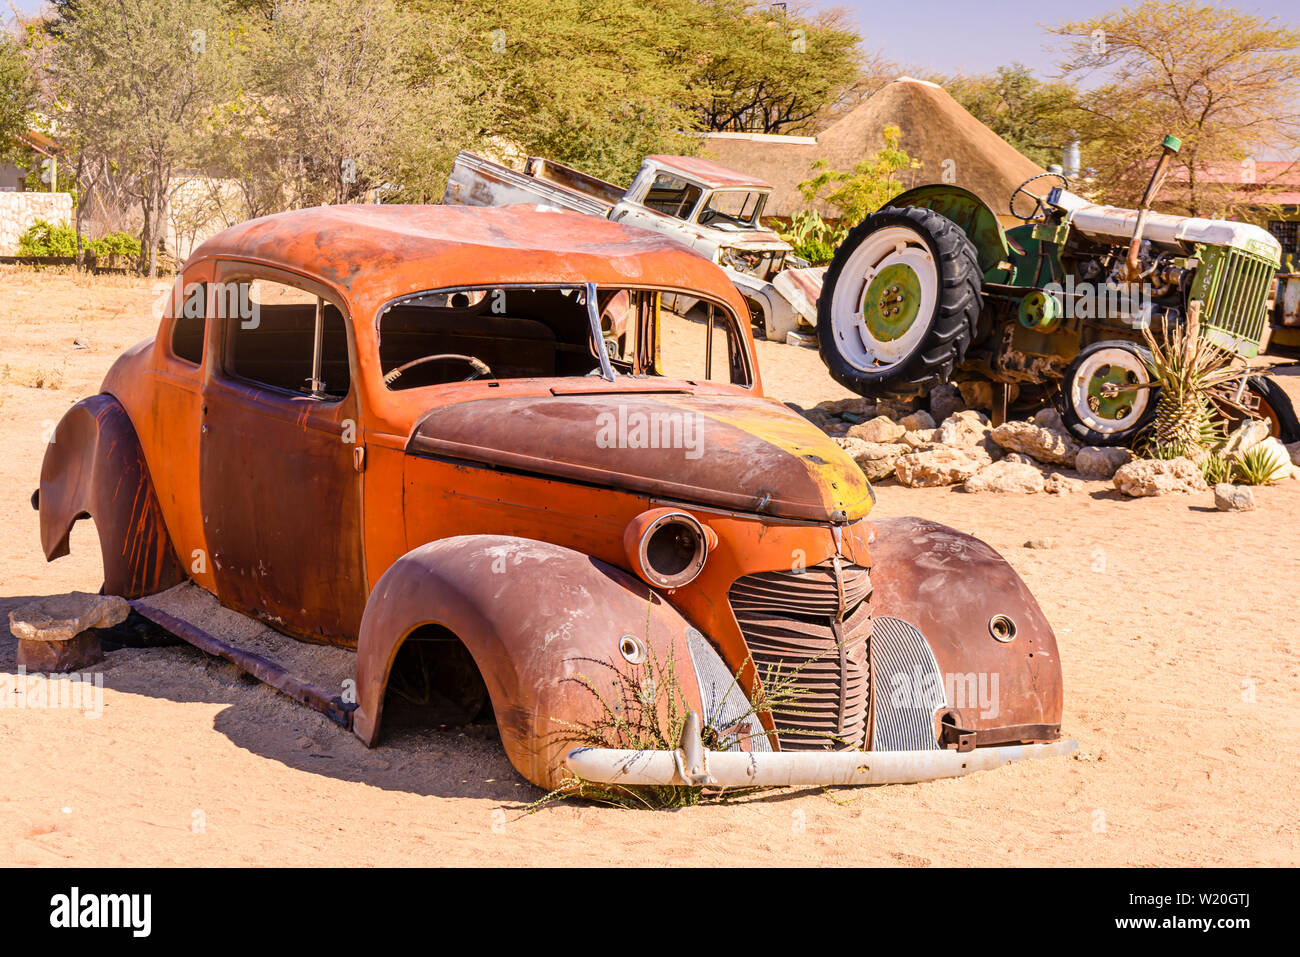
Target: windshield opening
{"points": [[541, 332], [739, 207]]}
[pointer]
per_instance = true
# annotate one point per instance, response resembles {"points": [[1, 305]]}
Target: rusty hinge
{"points": [[359, 458]]}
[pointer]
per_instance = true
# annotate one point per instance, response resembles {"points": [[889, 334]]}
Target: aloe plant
{"points": [[1191, 371]]}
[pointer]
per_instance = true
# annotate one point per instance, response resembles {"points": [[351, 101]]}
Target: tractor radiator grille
{"points": [[1236, 304], [808, 633]]}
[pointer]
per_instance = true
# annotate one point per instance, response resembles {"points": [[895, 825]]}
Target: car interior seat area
{"points": [[517, 333]]}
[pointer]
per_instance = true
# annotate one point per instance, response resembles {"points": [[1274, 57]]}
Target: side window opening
{"points": [[737, 207], [286, 338], [189, 323], [702, 346]]}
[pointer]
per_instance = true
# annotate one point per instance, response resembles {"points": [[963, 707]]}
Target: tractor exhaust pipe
{"points": [[1170, 147]]}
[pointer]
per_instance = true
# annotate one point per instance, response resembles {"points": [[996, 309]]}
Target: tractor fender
{"points": [[539, 620], [951, 586], [94, 468], [971, 214]]}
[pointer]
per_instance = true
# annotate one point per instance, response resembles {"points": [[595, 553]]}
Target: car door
{"points": [[280, 486]]}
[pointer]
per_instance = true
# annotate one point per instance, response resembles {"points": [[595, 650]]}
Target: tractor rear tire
{"points": [[900, 303]]}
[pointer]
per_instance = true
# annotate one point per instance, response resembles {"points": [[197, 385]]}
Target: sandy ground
{"points": [[1177, 630]]}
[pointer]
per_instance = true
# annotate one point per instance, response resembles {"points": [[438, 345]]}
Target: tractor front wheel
{"points": [[1104, 400]]}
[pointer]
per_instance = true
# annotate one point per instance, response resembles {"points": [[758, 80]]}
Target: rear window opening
{"points": [[518, 332]]}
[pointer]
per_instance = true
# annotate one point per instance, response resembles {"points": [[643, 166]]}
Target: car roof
{"points": [[711, 174], [379, 252]]}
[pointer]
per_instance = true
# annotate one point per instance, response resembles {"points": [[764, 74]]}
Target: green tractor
{"points": [[932, 289]]}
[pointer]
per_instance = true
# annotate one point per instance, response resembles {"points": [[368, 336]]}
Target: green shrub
{"points": [[115, 249], [812, 237], [1216, 468], [1259, 466], [47, 239]]}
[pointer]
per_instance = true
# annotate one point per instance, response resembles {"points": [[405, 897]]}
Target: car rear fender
{"points": [[94, 468], [544, 625]]}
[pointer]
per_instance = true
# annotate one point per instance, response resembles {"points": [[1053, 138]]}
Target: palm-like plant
{"points": [[1192, 373]]}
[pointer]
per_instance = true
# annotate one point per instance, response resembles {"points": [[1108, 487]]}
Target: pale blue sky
{"points": [[950, 36], [957, 35]]}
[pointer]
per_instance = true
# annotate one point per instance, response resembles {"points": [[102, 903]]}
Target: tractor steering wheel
{"points": [[1040, 202], [480, 367]]}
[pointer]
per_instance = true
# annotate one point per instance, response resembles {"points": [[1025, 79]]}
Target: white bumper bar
{"points": [[787, 768]]}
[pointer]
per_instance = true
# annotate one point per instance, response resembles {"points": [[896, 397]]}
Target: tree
{"points": [[1222, 80], [136, 82], [331, 89], [596, 84], [17, 97], [766, 69], [1039, 119]]}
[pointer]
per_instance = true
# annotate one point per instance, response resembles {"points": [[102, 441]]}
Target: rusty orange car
{"points": [[473, 431]]}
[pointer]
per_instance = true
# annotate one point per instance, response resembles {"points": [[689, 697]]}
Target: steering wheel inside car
{"points": [[479, 366], [1040, 202]]}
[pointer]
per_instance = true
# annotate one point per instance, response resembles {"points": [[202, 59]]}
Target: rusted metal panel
{"points": [[731, 453], [94, 466], [951, 586], [263, 669], [544, 625], [475, 181], [801, 288], [282, 499], [707, 172]]}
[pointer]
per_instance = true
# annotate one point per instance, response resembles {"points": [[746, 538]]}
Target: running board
{"points": [[197, 618]]}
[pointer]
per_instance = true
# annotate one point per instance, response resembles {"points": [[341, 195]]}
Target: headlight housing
{"points": [[667, 547]]}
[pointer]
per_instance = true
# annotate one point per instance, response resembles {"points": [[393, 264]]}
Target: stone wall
{"points": [[19, 210]]}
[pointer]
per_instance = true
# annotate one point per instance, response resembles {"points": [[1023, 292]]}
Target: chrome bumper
{"points": [[795, 768]]}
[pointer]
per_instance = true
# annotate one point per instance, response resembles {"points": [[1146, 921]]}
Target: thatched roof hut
{"points": [[936, 130]]}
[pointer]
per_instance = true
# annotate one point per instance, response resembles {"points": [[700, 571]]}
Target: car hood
{"points": [[746, 454]]}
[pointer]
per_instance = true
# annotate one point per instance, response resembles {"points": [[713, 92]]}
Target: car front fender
{"points": [[94, 467], [540, 621], [779, 318], [951, 587]]}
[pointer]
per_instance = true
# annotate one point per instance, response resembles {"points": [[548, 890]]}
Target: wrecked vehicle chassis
{"points": [[399, 433]]}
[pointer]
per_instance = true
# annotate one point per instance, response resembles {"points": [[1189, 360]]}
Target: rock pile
{"points": [[943, 441], [950, 444]]}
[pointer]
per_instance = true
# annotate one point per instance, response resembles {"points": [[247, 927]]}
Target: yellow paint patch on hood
{"points": [[843, 487]]}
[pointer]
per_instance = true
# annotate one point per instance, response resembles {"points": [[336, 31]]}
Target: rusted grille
{"points": [[809, 630]]}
